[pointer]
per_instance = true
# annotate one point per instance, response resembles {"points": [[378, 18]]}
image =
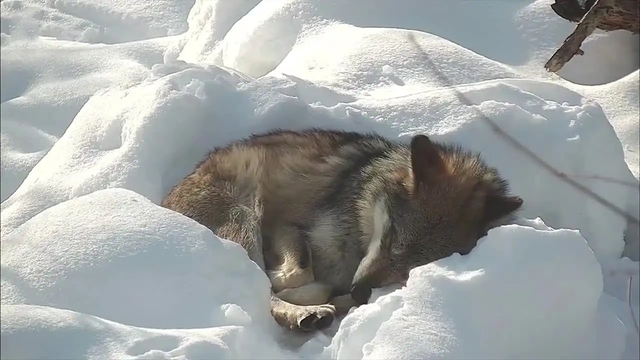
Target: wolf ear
{"points": [[425, 159], [498, 206]]}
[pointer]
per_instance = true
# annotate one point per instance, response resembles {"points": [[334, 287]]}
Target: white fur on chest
{"points": [[379, 223]]}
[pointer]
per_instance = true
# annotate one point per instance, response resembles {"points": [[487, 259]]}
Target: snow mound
{"points": [[477, 306], [368, 59], [39, 102], [132, 260], [115, 254], [146, 137], [621, 98], [39, 332], [127, 138], [602, 47], [94, 21], [270, 31], [95, 135], [256, 36], [271, 28]]}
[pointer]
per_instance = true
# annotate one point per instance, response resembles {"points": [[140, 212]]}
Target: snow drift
{"points": [[471, 307], [94, 135], [115, 255]]}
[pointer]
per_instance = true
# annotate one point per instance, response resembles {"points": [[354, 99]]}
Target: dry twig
{"points": [[633, 316], [633, 185], [571, 45], [603, 14]]}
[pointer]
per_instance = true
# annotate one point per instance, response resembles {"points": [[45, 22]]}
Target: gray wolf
{"points": [[330, 215]]}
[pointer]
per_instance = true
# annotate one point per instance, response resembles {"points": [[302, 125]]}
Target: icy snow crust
{"points": [[94, 135]]}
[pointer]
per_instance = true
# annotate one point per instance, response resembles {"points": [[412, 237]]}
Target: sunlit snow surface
{"points": [[107, 104]]}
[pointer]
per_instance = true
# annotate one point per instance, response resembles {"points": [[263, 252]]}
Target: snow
{"points": [[85, 264], [448, 306], [107, 104], [94, 21]]}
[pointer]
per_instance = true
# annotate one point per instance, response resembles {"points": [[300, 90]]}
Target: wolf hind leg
{"points": [[245, 230], [241, 224], [238, 219], [294, 269]]}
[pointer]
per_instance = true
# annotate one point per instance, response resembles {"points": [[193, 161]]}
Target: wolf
{"points": [[330, 215]]}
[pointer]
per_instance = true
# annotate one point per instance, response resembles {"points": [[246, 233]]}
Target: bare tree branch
{"points": [[603, 14], [571, 45]]}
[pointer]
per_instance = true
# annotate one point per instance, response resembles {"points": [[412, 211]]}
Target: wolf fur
{"points": [[330, 215]]}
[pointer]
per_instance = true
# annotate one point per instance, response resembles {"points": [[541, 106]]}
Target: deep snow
{"points": [[94, 135]]}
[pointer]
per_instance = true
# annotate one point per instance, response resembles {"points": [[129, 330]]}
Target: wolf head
{"points": [[443, 205]]}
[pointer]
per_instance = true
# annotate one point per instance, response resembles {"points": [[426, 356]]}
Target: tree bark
{"points": [[604, 14], [623, 15]]}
